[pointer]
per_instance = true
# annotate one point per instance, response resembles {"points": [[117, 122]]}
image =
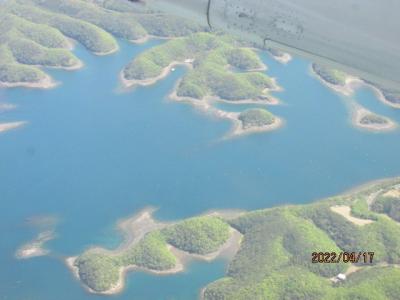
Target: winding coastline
{"points": [[45, 83], [134, 229], [351, 83], [205, 104], [357, 112]]}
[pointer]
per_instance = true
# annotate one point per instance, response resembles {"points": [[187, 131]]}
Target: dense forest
{"points": [[36, 34], [274, 258], [256, 117], [100, 269], [274, 261], [221, 67]]}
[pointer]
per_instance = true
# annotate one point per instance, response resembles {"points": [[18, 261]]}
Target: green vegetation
{"points": [[92, 37], [274, 261], [16, 73], [119, 24], [256, 117], [167, 26], [201, 235], [100, 270], [337, 77], [389, 205], [371, 119], [13, 72], [25, 45], [360, 209], [151, 253], [36, 32], [220, 67], [332, 76], [30, 53]]}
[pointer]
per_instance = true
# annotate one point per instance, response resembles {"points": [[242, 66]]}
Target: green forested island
{"points": [[221, 68], [256, 117], [42, 33], [37, 33], [274, 255]]}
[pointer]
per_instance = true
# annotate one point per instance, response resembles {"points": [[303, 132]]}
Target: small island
{"points": [[11, 125], [365, 119], [256, 120], [35, 247], [271, 249], [45, 225]]}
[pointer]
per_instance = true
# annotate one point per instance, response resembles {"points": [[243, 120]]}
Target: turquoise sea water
{"points": [[92, 154]]}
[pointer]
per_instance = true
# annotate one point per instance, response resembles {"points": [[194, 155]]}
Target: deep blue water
{"points": [[92, 154]]}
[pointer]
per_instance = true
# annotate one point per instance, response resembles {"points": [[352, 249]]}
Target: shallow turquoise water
{"points": [[92, 154]]}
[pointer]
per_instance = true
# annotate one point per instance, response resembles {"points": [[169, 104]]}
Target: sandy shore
{"points": [[265, 99], [365, 187], [358, 113], [394, 193], [70, 43], [77, 66], [35, 248], [227, 250], [135, 228], [238, 129], [205, 105], [382, 97], [11, 125], [150, 81], [45, 83], [142, 40], [351, 84], [116, 49], [283, 59]]}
